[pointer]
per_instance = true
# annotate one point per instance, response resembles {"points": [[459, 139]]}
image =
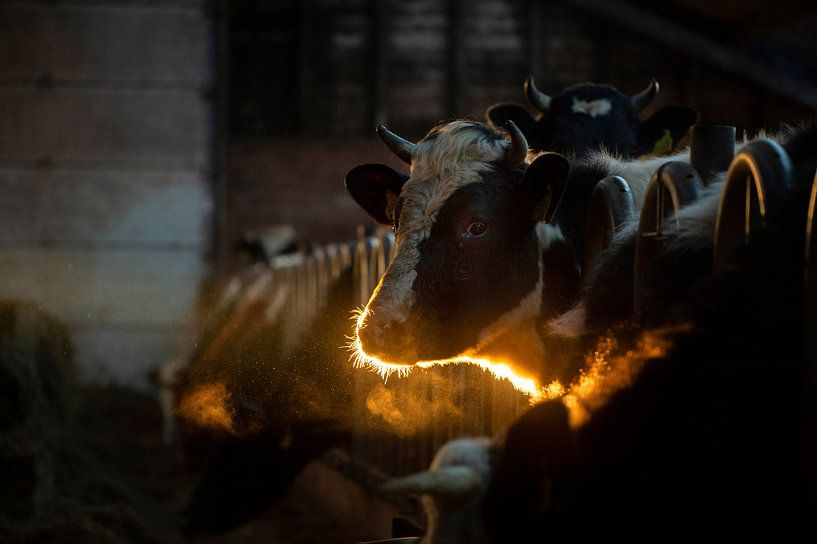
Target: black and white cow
{"points": [[587, 117], [483, 256]]}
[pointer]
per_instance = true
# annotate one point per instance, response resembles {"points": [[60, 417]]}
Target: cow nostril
{"points": [[380, 333]]}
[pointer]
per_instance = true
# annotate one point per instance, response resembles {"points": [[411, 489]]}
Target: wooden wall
{"points": [[104, 164]]}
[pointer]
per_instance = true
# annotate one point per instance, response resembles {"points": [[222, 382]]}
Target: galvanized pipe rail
{"points": [[758, 177], [612, 206], [674, 185]]}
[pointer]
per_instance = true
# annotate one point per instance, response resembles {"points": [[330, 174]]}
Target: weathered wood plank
{"points": [[52, 206], [146, 4], [162, 129], [99, 43], [147, 287]]}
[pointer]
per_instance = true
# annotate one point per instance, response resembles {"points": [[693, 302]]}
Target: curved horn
{"points": [[643, 99], [519, 146], [399, 146], [537, 98]]}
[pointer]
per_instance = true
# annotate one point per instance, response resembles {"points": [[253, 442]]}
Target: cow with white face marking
{"points": [[589, 116], [481, 260]]}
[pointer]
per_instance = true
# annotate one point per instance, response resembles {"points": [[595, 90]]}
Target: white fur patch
{"points": [[547, 234], [593, 108], [570, 324], [459, 520], [474, 453]]}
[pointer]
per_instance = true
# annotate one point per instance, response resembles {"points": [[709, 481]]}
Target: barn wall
{"points": [[105, 208]]}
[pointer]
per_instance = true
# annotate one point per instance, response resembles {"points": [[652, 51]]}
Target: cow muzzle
{"points": [[387, 338]]}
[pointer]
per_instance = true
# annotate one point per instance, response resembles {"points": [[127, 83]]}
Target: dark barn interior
{"points": [[184, 276]]}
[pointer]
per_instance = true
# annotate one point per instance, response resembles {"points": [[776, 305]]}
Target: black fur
{"points": [[717, 437], [562, 130], [464, 283]]}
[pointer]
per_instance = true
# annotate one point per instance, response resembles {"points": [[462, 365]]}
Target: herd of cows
{"points": [[681, 338]]}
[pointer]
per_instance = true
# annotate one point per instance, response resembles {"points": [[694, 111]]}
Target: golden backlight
{"points": [[606, 370], [501, 370]]}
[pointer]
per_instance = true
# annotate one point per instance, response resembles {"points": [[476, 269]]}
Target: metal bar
{"points": [[219, 63], [760, 174], [674, 185], [611, 206], [757, 177], [378, 61], [455, 61]]}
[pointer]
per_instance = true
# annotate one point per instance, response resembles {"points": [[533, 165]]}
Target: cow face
{"points": [[589, 117], [467, 249]]}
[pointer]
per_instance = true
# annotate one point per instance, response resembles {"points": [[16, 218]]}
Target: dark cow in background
{"points": [[588, 117], [714, 435]]}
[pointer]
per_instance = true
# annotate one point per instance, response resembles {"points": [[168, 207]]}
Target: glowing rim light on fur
{"points": [[499, 370]]}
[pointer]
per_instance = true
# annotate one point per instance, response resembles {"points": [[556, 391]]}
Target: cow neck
{"points": [[516, 336]]}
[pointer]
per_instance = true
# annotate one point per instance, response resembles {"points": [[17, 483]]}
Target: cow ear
{"points": [[376, 188], [662, 132], [544, 184], [500, 113]]}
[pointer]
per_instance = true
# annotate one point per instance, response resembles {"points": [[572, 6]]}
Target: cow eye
{"points": [[477, 228], [396, 215]]}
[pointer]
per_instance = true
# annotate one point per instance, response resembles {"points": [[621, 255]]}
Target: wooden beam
{"points": [[378, 60], [536, 33], [220, 129], [455, 60]]}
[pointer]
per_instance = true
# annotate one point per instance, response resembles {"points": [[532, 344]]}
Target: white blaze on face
{"points": [[593, 108], [457, 155]]}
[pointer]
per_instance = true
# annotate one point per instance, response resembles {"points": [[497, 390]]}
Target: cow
{"points": [[608, 288], [715, 434], [482, 255], [586, 117], [467, 475]]}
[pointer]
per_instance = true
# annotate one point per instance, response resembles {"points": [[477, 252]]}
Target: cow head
{"points": [[468, 239], [589, 117]]}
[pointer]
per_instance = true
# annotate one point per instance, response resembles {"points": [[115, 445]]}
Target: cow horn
{"points": [[537, 98], [643, 99], [450, 481], [399, 146], [519, 146]]}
